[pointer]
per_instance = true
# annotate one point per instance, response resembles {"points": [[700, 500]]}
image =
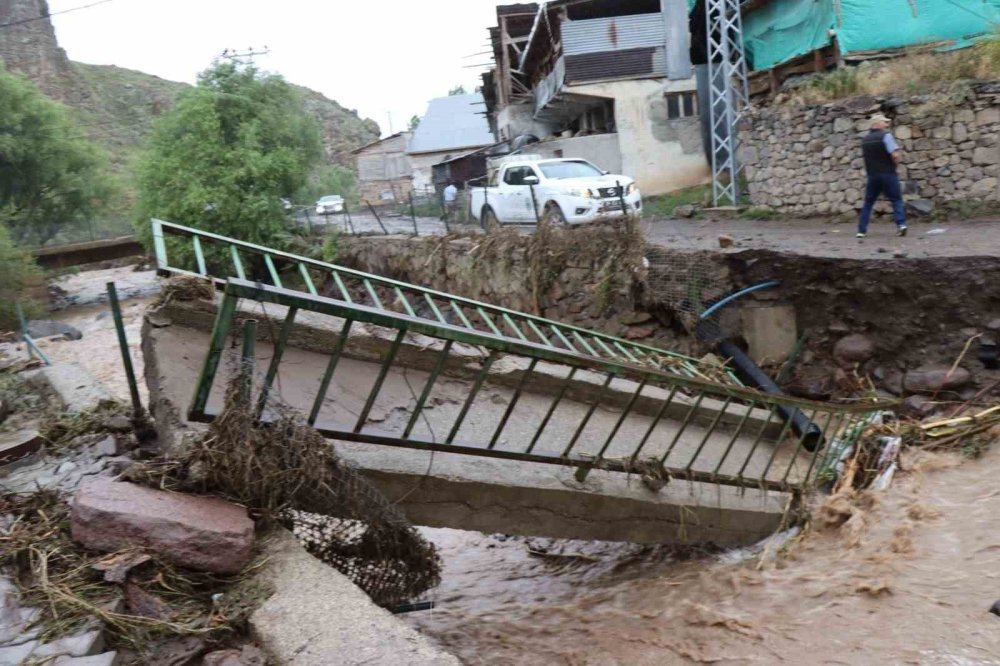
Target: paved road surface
{"points": [[818, 238]]}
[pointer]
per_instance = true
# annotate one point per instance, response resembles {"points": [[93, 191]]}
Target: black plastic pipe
{"points": [[750, 373]]}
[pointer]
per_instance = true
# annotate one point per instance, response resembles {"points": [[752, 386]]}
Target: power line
{"points": [[46, 17]]}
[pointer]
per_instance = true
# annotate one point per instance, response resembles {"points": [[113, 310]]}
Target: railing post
{"points": [[247, 361], [116, 312], [223, 321], [377, 218], [413, 215]]}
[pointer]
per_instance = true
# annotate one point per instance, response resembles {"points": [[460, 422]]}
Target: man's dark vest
{"points": [[878, 160]]}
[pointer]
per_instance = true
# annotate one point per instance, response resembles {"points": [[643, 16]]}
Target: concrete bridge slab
{"points": [[491, 495]]}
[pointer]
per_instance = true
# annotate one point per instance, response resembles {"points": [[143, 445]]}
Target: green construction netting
{"points": [[784, 29]]}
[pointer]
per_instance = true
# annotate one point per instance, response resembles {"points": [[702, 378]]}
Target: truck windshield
{"points": [[560, 170]]}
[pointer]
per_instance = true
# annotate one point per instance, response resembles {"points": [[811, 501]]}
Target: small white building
{"points": [[452, 126]]}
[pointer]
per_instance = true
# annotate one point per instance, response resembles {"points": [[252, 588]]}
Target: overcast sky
{"points": [[380, 57]]}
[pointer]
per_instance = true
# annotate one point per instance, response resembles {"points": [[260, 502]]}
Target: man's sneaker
{"points": [[901, 231], [859, 235]]}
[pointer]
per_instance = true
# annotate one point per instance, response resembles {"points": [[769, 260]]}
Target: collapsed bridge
{"points": [[478, 417]]}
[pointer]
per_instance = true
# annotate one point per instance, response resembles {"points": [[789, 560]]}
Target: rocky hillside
{"points": [[117, 106]]}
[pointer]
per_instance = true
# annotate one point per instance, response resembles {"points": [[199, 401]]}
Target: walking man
{"points": [[882, 155]]}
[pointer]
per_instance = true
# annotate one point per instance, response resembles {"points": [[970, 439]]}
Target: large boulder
{"points": [[204, 533], [933, 379], [853, 349]]}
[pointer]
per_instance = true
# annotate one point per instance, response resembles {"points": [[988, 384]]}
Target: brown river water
{"points": [[901, 577]]}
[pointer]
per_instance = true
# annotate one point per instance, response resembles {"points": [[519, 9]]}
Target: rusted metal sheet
{"points": [[615, 64], [616, 33]]}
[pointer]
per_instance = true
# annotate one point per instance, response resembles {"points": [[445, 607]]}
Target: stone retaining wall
{"points": [[807, 160], [584, 276]]}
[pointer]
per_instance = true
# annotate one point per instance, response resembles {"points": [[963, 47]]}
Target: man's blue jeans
{"points": [[887, 184]]}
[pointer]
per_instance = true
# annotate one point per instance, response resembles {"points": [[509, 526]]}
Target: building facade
{"points": [[608, 81], [384, 169], [452, 126]]}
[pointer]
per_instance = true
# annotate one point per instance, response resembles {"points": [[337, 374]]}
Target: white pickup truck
{"points": [[566, 191]]}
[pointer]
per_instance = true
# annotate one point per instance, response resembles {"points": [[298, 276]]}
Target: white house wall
{"points": [[601, 149], [661, 154]]}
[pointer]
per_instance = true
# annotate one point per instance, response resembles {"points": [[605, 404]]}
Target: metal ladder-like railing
{"points": [[188, 253], [638, 408], [700, 430]]}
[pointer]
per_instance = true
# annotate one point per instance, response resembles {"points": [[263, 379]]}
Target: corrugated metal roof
{"points": [[617, 33], [615, 64], [452, 122]]}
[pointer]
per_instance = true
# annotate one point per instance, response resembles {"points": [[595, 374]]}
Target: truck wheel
{"points": [[489, 221], [554, 215]]}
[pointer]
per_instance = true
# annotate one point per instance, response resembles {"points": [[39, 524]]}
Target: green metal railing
{"points": [[700, 430], [234, 258]]}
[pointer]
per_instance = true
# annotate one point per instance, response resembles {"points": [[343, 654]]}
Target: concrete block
{"points": [[770, 332], [80, 645], [73, 385], [353, 629], [15, 655]]}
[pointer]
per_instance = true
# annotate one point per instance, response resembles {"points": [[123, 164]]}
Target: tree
{"points": [[17, 271], [50, 175], [227, 153], [334, 179], [414, 121], [457, 90]]}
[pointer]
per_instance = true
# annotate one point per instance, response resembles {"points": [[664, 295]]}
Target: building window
{"points": [[682, 104]]}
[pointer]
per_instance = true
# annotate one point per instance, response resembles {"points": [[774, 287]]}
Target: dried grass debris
{"points": [[285, 472]]}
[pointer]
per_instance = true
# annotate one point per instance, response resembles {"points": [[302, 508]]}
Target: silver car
{"points": [[332, 203]]}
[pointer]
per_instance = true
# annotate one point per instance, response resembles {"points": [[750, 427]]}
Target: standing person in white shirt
{"points": [[450, 201]]}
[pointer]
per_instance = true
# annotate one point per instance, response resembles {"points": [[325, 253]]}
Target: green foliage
{"points": [[333, 179], [17, 271], [414, 123], [50, 176], [225, 155], [331, 248], [664, 205], [457, 90]]}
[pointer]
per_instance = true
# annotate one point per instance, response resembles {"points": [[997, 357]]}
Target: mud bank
{"points": [[916, 310]]}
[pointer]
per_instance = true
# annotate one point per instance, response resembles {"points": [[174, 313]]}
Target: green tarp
{"points": [[784, 29]]}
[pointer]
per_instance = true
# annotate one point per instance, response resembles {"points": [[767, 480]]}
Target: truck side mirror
{"points": [[530, 180]]}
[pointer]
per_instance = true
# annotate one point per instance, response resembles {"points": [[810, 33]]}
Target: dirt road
{"points": [[823, 239]]}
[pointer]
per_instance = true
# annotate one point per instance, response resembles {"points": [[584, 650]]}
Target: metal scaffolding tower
{"points": [[729, 95]]}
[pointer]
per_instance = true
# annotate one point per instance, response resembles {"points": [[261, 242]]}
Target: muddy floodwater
{"points": [[905, 577]]}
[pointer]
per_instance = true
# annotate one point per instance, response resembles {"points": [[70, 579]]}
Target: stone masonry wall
{"points": [[807, 160], [587, 277]]}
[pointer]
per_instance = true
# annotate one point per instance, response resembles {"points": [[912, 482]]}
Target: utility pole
{"points": [[244, 56], [729, 95]]}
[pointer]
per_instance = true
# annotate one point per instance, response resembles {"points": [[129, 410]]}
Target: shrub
{"points": [[17, 271]]}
